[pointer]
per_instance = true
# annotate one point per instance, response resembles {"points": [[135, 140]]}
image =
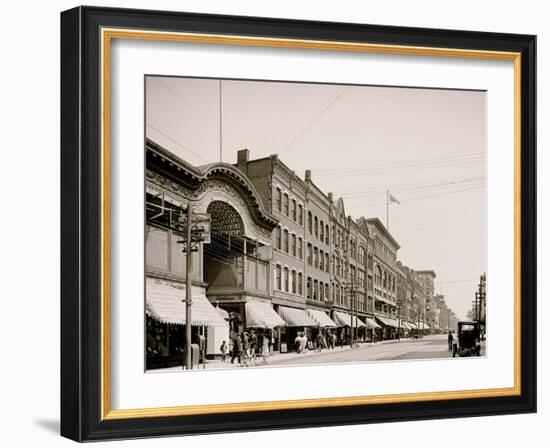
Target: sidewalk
{"points": [[216, 364]]}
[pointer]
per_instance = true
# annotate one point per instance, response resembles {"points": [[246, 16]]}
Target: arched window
{"points": [[362, 259], [316, 227], [327, 241], [309, 222], [378, 275], [293, 211], [321, 231]]}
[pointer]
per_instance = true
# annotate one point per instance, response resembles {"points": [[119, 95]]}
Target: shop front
{"points": [[348, 324], [298, 325], [264, 323], [389, 327], [166, 320]]}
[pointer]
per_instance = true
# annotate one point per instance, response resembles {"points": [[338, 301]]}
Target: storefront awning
{"points": [[223, 313], [345, 320], [388, 321], [296, 318], [164, 302], [321, 318], [262, 315], [412, 325], [371, 323], [406, 325]]}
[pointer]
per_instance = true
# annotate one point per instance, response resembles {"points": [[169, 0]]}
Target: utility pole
{"points": [[188, 271], [195, 229], [399, 320]]}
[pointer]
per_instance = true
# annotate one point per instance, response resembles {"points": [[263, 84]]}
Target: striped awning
{"points": [[295, 317], [371, 323], [165, 303], [223, 313], [262, 315], [345, 320], [388, 321], [321, 318]]}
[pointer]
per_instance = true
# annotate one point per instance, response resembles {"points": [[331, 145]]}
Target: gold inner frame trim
{"points": [[107, 35]]}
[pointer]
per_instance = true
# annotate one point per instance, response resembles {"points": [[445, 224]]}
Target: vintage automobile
{"points": [[468, 339]]}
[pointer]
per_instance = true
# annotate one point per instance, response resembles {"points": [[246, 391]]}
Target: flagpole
{"points": [[220, 98], [388, 210]]}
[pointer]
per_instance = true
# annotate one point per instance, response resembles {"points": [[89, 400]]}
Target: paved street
{"points": [[429, 347]]}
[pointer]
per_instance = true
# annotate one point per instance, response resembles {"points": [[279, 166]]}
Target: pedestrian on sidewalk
{"points": [[223, 350], [319, 342], [450, 340], [237, 349]]}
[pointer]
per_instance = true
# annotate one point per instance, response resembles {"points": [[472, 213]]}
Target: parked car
{"points": [[468, 339]]}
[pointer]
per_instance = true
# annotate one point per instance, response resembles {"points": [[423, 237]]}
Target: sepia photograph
{"points": [[293, 224]]}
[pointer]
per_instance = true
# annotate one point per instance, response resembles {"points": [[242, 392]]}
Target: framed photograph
{"points": [[272, 223]]}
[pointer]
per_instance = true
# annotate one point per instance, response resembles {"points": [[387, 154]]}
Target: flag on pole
{"points": [[393, 198]]}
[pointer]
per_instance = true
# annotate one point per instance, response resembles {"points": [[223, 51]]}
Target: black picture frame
{"points": [[81, 224]]}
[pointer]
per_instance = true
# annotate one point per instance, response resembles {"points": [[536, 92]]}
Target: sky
{"points": [[426, 147]]}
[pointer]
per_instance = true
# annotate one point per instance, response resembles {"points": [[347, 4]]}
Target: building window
{"points": [[333, 235], [286, 205], [278, 237], [327, 241], [315, 290], [321, 231], [308, 288], [300, 284], [326, 262], [315, 257], [285, 241], [300, 215], [321, 260], [286, 280], [278, 199], [321, 292], [309, 222], [278, 277], [316, 227], [300, 249], [294, 282], [309, 254], [294, 210], [293, 245], [362, 256], [326, 292]]}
